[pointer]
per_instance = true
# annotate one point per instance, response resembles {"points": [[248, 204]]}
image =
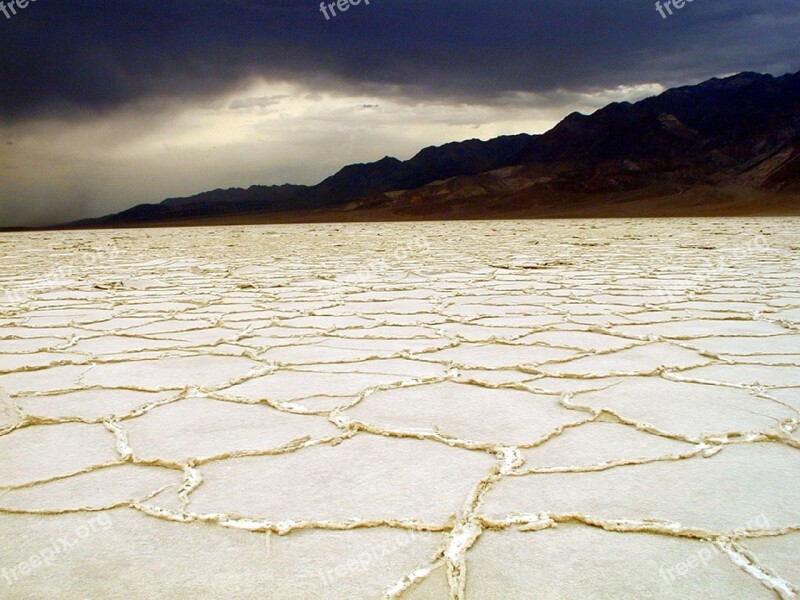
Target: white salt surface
{"points": [[595, 410]]}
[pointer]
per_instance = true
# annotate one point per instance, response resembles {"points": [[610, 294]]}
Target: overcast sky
{"points": [[109, 103]]}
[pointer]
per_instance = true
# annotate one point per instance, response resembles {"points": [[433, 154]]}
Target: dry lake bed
{"points": [[484, 410]]}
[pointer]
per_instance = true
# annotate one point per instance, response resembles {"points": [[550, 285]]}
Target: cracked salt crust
{"points": [[99, 488], [622, 566], [200, 427], [600, 444], [320, 412], [780, 553], [740, 482], [508, 416], [692, 410], [355, 478]]}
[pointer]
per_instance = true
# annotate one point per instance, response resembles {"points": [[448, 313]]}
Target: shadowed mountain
{"points": [[736, 135], [218, 202], [353, 182], [722, 125]]}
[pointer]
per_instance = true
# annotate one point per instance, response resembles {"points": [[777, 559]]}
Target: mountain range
{"points": [[726, 146]]}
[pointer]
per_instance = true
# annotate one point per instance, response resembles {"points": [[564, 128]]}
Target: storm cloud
{"points": [[97, 55]]}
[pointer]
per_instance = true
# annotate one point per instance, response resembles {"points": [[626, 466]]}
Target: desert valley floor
{"points": [[548, 410]]}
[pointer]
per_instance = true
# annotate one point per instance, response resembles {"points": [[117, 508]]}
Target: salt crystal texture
{"points": [[421, 411]]}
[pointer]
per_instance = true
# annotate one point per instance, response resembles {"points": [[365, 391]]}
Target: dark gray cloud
{"points": [[88, 57]]}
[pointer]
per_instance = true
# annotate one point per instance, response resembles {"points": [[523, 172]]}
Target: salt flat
{"points": [[549, 410]]}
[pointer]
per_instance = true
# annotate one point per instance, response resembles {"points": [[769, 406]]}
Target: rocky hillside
{"points": [[721, 138]]}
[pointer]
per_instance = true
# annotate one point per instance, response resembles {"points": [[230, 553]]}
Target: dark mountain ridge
{"points": [[740, 130], [718, 115]]}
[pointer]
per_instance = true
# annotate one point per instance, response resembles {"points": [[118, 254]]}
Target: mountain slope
{"points": [[741, 132], [350, 183]]}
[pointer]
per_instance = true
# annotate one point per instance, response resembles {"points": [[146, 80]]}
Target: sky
{"points": [[105, 104]]}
